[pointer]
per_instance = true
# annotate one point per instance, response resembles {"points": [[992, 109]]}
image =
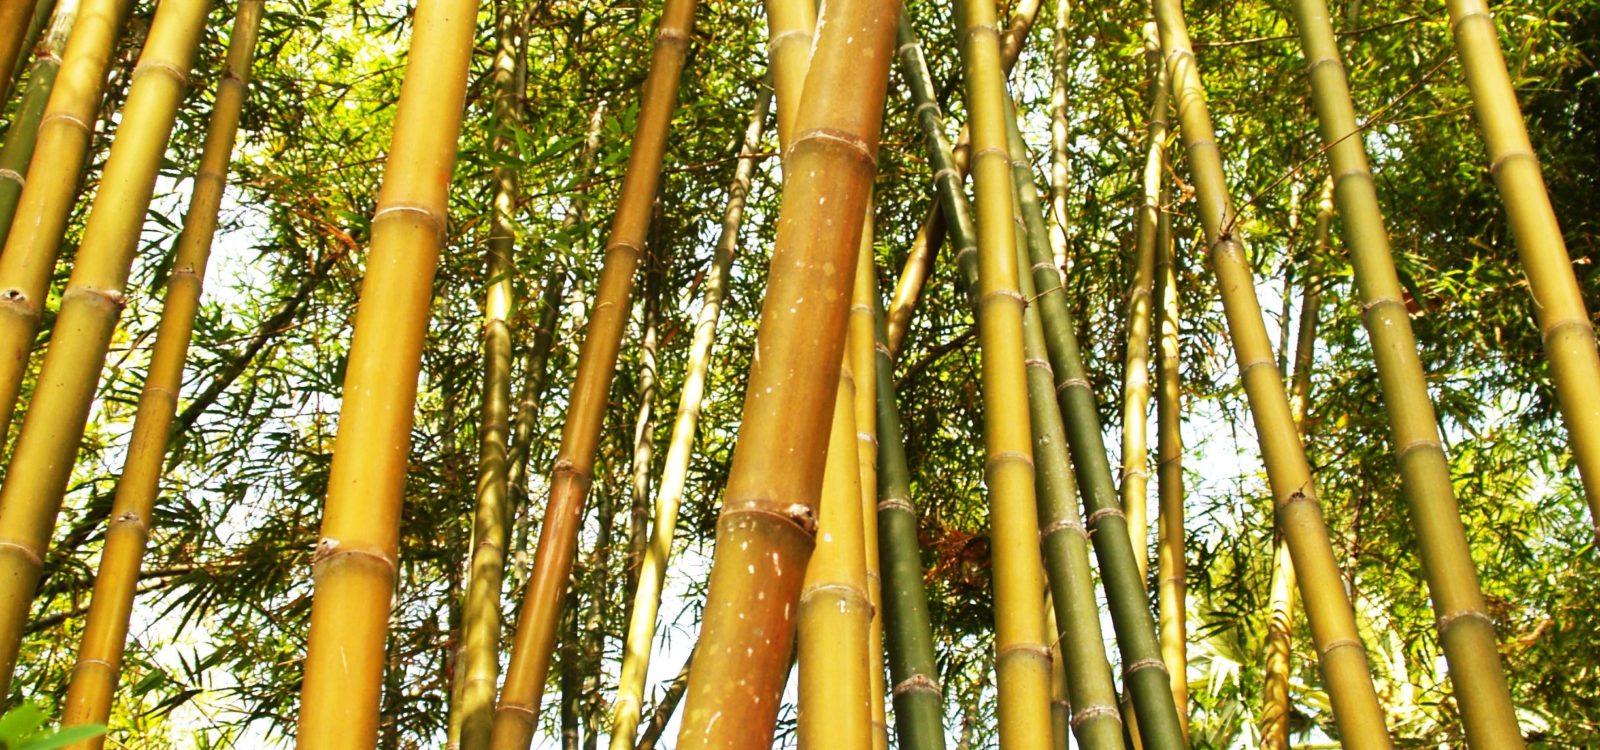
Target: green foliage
{"points": [[23, 728]]}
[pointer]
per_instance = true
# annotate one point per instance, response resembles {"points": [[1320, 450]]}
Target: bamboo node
{"points": [[936, 113], [867, 437], [428, 215], [883, 349], [66, 116], [328, 548], [1007, 293], [1043, 364], [1065, 524], [1337, 644], [1036, 650], [18, 300], [777, 39], [24, 550], [917, 683], [1094, 518], [89, 661], [802, 515], [176, 73], [1090, 713], [128, 518], [947, 173], [1447, 620], [14, 176], [671, 34], [1152, 662], [1368, 306], [896, 503], [113, 297], [1415, 444], [849, 141], [1003, 456], [1298, 496], [521, 708], [1044, 265], [1070, 383], [992, 150]]}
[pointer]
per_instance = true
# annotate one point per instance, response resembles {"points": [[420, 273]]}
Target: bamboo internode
{"points": [[23, 131], [14, 27]]}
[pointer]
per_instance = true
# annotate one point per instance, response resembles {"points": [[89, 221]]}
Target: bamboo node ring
{"points": [[427, 214], [1070, 383], [671, 34], [896, 503], [1420, 443], [328, 548], [177, 74], [89, 661], [802, 515], [1007, 293], [1065, 524], [1143, 664], [127, 518], [113, 297], [1003, 456], [1338, 644], [1088, 713], [27, 552], [519, 708], [946, 172], [847, 140], [17, 298], [918, 113], [1037, 362], [1377, 302], [1094, 518], [71, 118], [919, 683], [1466, 614], [13, 175], [883, 349], [1044, 265], [867, 437], [780, 38]]}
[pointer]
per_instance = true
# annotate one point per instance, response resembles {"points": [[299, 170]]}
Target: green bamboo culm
{"points": [[24, 130], [913, 665], [1564, 323], [42, 13], [1144, 672], [1465, 627], [1343, 659]]}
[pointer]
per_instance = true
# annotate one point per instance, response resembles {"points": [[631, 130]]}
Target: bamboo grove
{"points": [[856, 374]]}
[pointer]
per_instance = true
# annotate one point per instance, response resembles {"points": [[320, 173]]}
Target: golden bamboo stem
{"points": [[518, 710], [1022, 657], [767, 527], [14, 18], [862, 353], [1344, 662], [47, 446], [356, 555], [48, 191], [1060, 130], [94, 679], [1171, 564]]}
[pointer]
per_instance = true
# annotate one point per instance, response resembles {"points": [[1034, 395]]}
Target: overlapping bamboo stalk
{"points": [[1171, 562], [1344, 663], [680, 445], [767, 527], [14, 22], [94, 679], [356, 555], [47, 446], [1022, 651], [1466, 631], [48, 190], [23, 132], [472, 698], [861, 351]]}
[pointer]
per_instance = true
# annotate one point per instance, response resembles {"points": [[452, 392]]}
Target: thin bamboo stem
{"points": [[1022, 652], [1344, 662], [47, 446], [862, 352], [15, 17], [517, 713], [1466, 630], [49, 189], [356, 555], [94, 679], [1171, 562], [680, 445], [1060, 129], [23, 132], [767, 527]]}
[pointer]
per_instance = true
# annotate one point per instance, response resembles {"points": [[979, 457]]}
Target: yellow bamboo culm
{"points": [[517, 712], [1172, 567], [48, 191], [14, 17], [1023, 663], [355, 560], [47, 445], [94, 680], [1564, 322], [862, 352], [767, 529], [1345, 668]]}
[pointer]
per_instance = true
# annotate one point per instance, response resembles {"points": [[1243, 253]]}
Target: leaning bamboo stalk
{"points": [[43, 12], [47, 446], [15, 16], [48, 190], [94, 679], [1060, 129], [1144, 673], [1274, 716], [356, 556], [21, 136], [767, 527], [862, 354], [931, 233], [1466, 631], [517, 713], [918, 703], [1343, 658], [1136, 362], [1171, 563], [680, 445], [472, 704], [1564, 323], [1022, 651]]}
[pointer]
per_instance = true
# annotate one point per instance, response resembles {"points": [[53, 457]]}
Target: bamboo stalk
{"points": [[862, 353], [1466, 630], [47, 446], [1343, 659], [680, 445], [1060, 130], [767, 527], [517, 713], [94, 679], [14, 24], [1022, 652], [1275, 700], [49, 189], [23, 132], [1171, 563], [472, 704], [1134, 487], [931, 233], [1564, 323], [355, 561], [43, 12]]}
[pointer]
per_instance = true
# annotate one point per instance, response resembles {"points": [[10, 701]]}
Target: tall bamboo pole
{"points": [[43, 12], [1466, 630], [1274, 716], [1022, 652], [14, 18], [94, 679], [1136, 363], [680, 445], [862, 353], [1060, 129], [47, 446], [472, 706], [23, 133], [355, 561], [767, 527], [1143, 672], [931, 234], [1343, 659], [1171, 563], [48, 190], [518, 710], [1564, 322]]}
